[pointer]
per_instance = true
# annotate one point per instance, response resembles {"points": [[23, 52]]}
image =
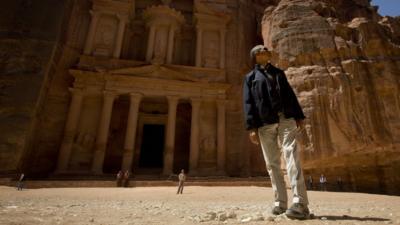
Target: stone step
{"points": [[137, 183]]}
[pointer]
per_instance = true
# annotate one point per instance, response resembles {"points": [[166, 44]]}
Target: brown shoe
{"points": [[298, 211], [278, 210]]}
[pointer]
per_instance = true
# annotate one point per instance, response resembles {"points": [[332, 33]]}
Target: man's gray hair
{"points": [[255, 50]]}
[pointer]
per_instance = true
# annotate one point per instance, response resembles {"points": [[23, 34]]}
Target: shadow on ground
{"points": [[346, 217]]}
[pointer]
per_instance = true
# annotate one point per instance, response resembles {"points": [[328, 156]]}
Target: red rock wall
{"points": [[28, 40], [343, 60]]}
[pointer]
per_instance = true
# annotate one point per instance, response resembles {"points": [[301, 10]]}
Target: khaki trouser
{"points": [[286, 130]]}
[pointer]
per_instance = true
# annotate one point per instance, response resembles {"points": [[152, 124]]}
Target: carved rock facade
{"points": [[147, 86]]}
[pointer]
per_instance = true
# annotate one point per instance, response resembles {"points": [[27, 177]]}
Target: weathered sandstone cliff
{"points": [[342, 58]]}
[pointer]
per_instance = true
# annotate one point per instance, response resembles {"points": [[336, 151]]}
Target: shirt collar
{"points": [[266, 68]]}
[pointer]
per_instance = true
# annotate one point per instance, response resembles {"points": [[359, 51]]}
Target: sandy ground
{"points": [[198, 205]]}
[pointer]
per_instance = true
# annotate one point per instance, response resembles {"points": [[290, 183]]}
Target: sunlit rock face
{"points": [[342, 59]]}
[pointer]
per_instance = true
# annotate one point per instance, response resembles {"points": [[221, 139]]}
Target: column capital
{"points": [[135, 95], [110, 94], [76, 91], [95, 14], [173, 99], [196, 101], [150, 25], [122, 17], [221, 102], [173, 27]]}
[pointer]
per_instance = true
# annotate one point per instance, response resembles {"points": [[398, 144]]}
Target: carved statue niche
{"points": [[163, 23], [105, 36], [211, 55], [211, 22], [160, 45]]}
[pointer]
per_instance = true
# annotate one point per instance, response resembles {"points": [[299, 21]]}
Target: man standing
{"points": [[310, 182], [126, 179], [272, 111], [119, 178], [339, 183], [322, 182], [182, 178], [21, 180]]}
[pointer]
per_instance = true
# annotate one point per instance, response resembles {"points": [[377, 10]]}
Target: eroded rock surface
{"points": [[342, 58]]}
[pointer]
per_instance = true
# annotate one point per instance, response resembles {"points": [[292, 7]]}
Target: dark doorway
{"points": [[182, 137], [151, 152]]}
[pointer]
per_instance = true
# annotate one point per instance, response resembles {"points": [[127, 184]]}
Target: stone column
{"points": [[194, 136], [170, 136], [131, 131], [102, 132], [70, 129], [120, 36], [150, 43], [199, 46], [92, 31], [170, 51], [222, 49], [221, 150]]}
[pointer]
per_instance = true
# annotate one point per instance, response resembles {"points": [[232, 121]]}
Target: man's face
{"points": [[263, 57]]}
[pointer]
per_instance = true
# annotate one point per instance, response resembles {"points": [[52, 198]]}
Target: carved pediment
{"points": [[155, 71], [211, 8]]}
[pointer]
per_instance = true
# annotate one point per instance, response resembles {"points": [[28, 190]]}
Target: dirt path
{"points": [[198, 205]]}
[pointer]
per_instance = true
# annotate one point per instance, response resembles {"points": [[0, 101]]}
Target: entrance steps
{"points": [[138, 181]]}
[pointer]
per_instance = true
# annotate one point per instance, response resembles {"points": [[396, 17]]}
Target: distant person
{"points": [[119, 178], [322, 182], [310, 182], [339, 184], [272, 110], [182, 179], [126, 179], [20, 184]]}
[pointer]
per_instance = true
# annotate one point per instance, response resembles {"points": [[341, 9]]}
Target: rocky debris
{"points": [[96, 207], [228, 215], [211, 216], [251, 217], [222, 216]]}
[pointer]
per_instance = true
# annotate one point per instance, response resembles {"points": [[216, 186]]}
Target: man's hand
{"points": [[300, 124], [254, 137]]}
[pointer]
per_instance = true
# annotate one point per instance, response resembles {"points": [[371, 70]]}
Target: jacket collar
{"points": [[260, 72]]}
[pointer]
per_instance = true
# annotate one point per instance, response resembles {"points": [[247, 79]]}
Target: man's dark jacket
{"points": [[257, 99]]}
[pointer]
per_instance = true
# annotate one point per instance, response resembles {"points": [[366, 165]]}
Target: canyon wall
{"points": [[29, 33], [342, 58]]}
